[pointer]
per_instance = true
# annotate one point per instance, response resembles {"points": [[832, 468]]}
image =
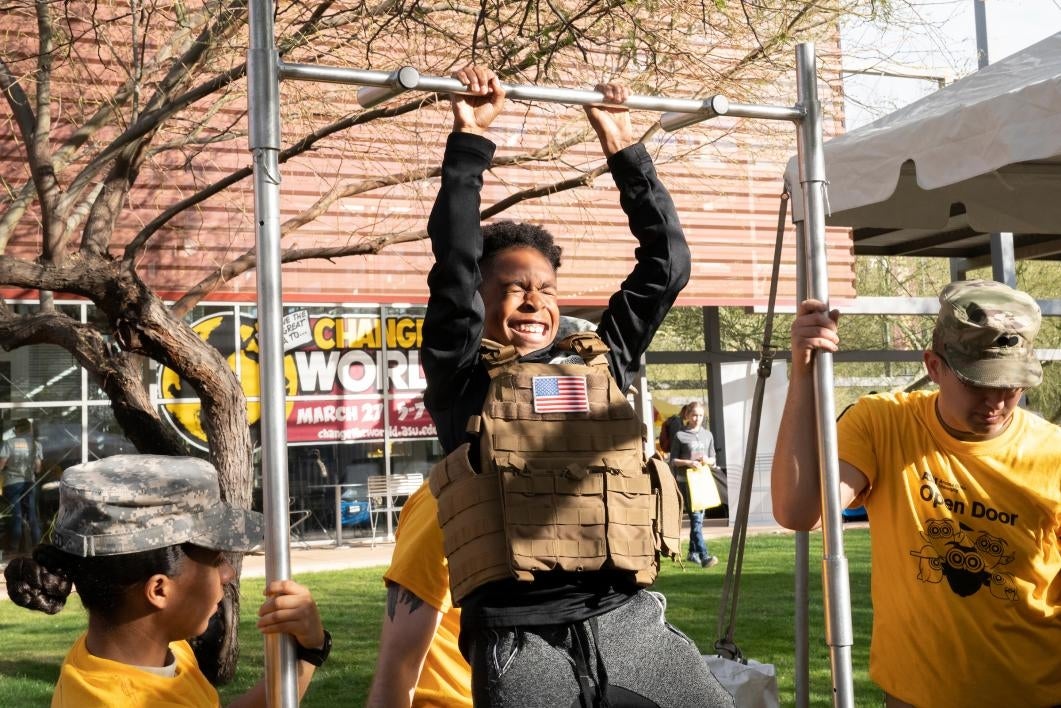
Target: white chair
{"points": [[386, 495], [297, 523]]}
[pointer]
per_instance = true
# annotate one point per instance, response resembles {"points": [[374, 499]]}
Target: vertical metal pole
{"points": [[836, 587], [1003, 263], [1003, 266], [980, 18], [716, 404], [383, 372], [643, 406], [263, 110], [338, 515], [958, 268], [801, 662]]}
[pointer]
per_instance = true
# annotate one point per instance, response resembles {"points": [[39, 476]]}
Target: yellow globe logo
{"points": [[180, 402]]}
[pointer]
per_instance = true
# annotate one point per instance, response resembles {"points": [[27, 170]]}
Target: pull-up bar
{"points": [[380, 86], [264, 71]]}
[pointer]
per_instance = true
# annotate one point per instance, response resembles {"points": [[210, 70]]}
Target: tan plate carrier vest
{"points": [[557, 490]]}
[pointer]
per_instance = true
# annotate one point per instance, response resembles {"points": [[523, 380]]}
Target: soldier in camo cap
{"points": [[986, 333], [143, 539], [130, 503], [962, 487]]}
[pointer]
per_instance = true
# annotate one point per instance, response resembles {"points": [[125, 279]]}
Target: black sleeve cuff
{"points": [[631, 160], [474, 146]]}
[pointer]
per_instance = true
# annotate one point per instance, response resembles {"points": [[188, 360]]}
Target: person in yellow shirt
{"points": [[142, 539], [963, 492], [420, 664]]}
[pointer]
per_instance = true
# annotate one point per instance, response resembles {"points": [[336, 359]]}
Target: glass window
{"points": [[58, 430], [317, 472], [104, 436], [415, 456], [41, 372]]}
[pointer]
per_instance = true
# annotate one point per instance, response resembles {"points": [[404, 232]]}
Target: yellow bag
{"points": [[703, 494]]}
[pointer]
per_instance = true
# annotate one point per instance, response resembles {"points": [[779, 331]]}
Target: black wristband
{"points": [[315, 656]]}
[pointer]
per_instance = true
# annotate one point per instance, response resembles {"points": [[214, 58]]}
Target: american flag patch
{"points": [[560, 394]]}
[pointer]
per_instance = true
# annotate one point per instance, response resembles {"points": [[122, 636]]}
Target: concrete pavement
{"points": [[324, 555]]}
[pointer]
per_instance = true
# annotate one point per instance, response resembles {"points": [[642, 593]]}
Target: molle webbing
{"points": [[469, 514], [557, 490], [668, 508]]}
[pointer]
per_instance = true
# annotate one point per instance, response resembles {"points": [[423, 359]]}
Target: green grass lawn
{"points": [[351, 603]]}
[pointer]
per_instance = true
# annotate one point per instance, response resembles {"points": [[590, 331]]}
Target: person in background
{"points": [[20, 465], [318, 463], [963, 490], [667, 429], [420, 664], [692, 447], [142, 538]]}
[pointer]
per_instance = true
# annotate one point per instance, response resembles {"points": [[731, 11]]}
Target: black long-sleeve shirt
{"points": [[453, 328]]}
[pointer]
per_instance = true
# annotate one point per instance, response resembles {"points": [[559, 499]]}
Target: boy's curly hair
{"points": [[504, 235]]}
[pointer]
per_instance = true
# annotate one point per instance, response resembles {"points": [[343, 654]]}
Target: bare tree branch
{"points": [[26, 121], [306, 144], [159, 107]]}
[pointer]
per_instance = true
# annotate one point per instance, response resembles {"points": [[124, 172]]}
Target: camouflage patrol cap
{"points": [[986, 333], [131, 503]]}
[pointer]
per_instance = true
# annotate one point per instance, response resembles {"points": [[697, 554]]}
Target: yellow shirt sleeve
{"points": [[419, 565]]}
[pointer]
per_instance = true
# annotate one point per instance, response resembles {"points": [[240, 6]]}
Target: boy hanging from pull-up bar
{"points": [[547, 505]]}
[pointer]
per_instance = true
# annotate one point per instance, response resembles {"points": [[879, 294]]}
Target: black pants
{"points": [[631, 652]]}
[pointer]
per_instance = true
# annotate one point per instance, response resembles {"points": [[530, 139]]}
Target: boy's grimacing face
{"points": [[520, 300]]}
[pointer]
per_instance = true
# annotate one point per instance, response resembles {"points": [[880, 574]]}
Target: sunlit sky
{"points": [[939, 39]]}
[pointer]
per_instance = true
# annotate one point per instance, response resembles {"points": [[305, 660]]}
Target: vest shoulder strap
{"points": [[497, 356], [587, 345]]}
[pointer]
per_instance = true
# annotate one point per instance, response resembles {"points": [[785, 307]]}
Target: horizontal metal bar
{"points": [[675, 120], [879, 305], [709, 107], [580, 97], [747, 110], [402, 80], [333, 74]]}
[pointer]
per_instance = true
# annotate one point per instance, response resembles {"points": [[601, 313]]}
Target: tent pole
{"points": [[801, 579], [1003, 263], [801, 664], [836, 588], [263, 109], [1003, 266]]}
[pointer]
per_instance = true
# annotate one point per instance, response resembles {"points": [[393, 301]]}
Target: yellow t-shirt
{"points": [[419, 565], [966, 554], [87, 681]]}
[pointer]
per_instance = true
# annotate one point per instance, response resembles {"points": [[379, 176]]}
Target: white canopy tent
{"points": [[980, 156]]}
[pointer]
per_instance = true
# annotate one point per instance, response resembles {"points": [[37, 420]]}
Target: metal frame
{"points": [[264, 71]]}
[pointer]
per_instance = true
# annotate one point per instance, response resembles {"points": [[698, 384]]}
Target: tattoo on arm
{"points": [[395, 594]]}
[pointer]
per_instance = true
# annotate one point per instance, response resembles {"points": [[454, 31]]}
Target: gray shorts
{"points": [[631, 651]]}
